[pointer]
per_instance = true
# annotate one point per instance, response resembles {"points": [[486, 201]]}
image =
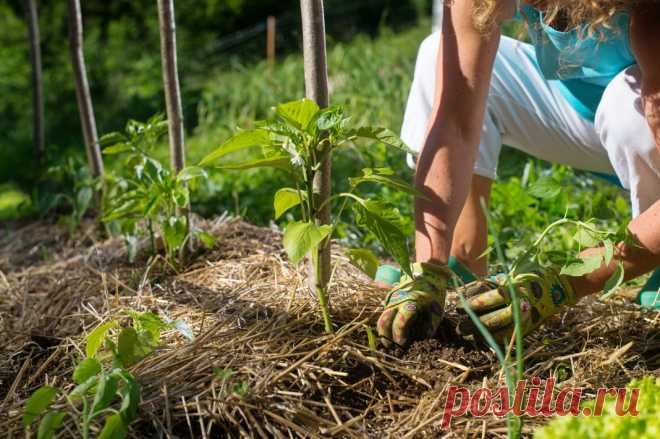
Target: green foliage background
{"points": [[370, 74]]}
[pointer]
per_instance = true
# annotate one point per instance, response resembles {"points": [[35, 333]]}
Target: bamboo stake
{"points": [[37, 82], [83, 95], [316, 87]]}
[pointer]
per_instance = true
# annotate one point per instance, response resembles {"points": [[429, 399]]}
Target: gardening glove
{"points": [[414, 308], [542, 294]]}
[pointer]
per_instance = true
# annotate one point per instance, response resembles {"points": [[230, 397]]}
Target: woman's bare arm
{"points": [[444, 169]]}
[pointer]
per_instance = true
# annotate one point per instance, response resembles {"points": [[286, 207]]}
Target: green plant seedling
{"points": [[150, 191], [297, 141], [104, 390]]}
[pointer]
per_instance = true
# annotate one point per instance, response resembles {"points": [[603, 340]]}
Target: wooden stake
{"points": [[171, 82], [173, 99], [271, 33], [316, 87], [83, 96], [37, 83]]}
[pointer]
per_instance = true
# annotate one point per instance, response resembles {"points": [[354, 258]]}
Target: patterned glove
{"points": [[542, 294], [414, 308]]}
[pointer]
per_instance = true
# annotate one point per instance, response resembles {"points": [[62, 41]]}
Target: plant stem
{"points": [[85, 420], [321, 292], [152, 237]]}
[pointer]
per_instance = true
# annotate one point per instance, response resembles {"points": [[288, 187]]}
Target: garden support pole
{"points": [[37, 83], [316, 89], [171, 82], [83, 96], [167, 25]]}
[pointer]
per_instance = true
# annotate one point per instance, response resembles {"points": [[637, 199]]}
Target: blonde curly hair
{"points": [[592, 13]]}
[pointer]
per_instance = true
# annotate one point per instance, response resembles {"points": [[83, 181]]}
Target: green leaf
{"points": [[330, 118], [149, 322], [96, 337], [191, 172], [241, 388], [114, 428], [385, 223], [285, 199], [117, 148], [298, 113], [111, 139], [106, 390], [383, 135], [223, 374], [83, 199], [386, 177], [49, 424], [277, 161], [82, 389], [239, 141], [86, 369], [585, 238], [38, 403], [130, 395], [126, 209], [608, 255], [545, 187], [614, 282], [365, 260], [584, 266], [129, 350], [207, 239], [152, 206], [175, 231], [301, 237]]}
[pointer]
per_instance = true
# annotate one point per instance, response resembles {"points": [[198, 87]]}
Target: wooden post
{"points": [[271, 33], [167, 25], [316, 88], [37, 83], [83, 95], [171, 82]]}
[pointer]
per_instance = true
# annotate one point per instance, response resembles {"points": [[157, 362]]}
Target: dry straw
{"points": [[251, 312]]}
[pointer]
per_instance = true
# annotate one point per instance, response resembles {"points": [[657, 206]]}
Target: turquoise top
{"points": [[581, 65]]}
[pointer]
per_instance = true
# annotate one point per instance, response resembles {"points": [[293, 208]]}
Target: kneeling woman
{"points": [[585, 93]]}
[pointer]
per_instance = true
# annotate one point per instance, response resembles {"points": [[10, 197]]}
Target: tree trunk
{"points": [[37, 83], [171, 82], [316, 87], [83, 95]]}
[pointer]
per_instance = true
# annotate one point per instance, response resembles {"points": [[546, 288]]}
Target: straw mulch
{"points": [[250, 311]]}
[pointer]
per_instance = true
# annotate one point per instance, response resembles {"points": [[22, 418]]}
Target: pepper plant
{"points": [[297, 142], [149, 192], [104, 388]]}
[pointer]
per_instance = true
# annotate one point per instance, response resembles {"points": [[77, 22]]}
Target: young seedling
{"points": [[101, 379], [297, 141], [70, 186], [149, 191]]}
